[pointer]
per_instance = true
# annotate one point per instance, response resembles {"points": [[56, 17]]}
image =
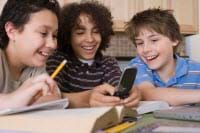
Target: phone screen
{"points": [[128, 78], [126, 82]]}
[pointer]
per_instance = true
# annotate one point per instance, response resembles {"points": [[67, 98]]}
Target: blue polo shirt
{"points": [[187, 74]]}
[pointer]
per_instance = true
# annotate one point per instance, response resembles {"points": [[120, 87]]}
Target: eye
{"points": [[79, 32], [95, 31], [55, 36], [138, 43], [154, 40], [44, 34]]}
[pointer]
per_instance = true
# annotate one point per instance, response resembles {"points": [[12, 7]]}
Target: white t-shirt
{"points": [[7, 84]]}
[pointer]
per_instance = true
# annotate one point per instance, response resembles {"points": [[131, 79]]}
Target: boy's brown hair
{"points": [[159, 20]]}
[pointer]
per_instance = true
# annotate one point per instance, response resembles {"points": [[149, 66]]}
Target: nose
{"points": [[89, 37], [52, 43], [146, 48]]}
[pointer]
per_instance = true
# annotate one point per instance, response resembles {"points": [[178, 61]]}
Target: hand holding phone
{"points": [[126, 82]]}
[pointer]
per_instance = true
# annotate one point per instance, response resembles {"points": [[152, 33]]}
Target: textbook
{"points": [[55, 104], [184, 112], [84, 120], [151, 106]]}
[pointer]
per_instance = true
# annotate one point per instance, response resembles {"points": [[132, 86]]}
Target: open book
{"points": [[55, 104], [84, 120], [118, 114]]}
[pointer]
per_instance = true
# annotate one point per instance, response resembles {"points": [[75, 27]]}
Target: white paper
{"points": [[56, 104], [151, 106]]}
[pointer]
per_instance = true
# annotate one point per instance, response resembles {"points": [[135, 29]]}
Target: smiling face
{"points": [[85, 38], [156, 50], [32, 45]]}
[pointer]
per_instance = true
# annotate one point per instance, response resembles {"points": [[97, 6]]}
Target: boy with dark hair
{"points": [[85, 30], [28, 30]]}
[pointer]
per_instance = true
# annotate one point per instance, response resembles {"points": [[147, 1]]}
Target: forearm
{"points": [[78, 99], [3, 101], [173, 96], [10, 101]]}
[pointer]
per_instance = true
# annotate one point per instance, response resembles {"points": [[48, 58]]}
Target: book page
{"points": [[150, 106], [55, 104], [79, 120]]}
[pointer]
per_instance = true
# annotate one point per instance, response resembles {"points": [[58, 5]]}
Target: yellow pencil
{"points": [[53, 75], [120, 127]]}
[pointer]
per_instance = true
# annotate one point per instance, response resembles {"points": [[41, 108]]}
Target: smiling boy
{"points": [[162, 74], [85, 31]]}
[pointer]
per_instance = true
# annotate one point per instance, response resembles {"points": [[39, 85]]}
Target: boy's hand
{"points": [[99, 96], [40, 99], [133, 99], [27, 93]]}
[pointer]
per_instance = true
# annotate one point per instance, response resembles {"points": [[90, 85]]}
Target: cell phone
{"points": [[126, 82]]}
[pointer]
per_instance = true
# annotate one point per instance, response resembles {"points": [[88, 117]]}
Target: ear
{"points": [[175, 43], [10, 30]]}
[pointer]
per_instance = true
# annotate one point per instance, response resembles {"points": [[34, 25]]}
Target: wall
{"points": [[2, 2], [193, 45]]}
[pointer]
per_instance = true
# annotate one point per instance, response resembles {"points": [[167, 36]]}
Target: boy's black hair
{"points": [[19, 11], [160, 20], [99, 14]]}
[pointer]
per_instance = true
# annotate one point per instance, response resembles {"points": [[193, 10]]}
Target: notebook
{"points": [[186, 112], [50, 105]]}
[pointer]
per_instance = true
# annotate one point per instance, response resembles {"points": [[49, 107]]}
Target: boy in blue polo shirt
{"points": [[162, 75]]}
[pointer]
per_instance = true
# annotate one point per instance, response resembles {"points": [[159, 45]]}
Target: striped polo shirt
{"points": [[187, 74], [77, 76]]}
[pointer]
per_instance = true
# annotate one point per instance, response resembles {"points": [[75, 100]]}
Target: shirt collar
{"points": [[181, 67], [181, 70], [76, 61]]}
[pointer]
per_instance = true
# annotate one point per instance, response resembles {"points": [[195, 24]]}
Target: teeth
{"points": [[44, 54], [151, 57], [88, 47]]}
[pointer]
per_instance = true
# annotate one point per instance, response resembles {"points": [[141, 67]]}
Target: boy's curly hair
{"points": [[70, 13], [19, 11]]}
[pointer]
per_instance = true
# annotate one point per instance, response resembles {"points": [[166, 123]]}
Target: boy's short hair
{"points": [[159, 20], [98, 13], [19, 11]]}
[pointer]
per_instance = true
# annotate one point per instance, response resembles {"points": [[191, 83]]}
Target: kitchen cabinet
{"points": [[185, 12], [63, 2], [2, 3]]}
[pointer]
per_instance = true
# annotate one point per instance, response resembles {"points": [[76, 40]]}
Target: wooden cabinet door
{"points": [[119, 12], [2, 3], [63, 2], [123, 10], [186, 13]]}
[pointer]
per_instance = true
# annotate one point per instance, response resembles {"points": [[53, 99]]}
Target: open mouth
{"points": [[44, 54], [150, 58], [89, 48]]}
